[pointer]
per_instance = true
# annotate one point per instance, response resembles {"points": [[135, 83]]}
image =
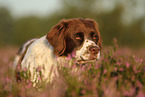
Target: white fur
{"points": [[16, 61], [23, 49], [40, 54]]}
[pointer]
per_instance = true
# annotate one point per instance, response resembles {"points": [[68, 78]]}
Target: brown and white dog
{"points": [[79, 36]]}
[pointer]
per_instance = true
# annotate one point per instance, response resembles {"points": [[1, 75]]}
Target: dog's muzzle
{"points": [[89, 52]]}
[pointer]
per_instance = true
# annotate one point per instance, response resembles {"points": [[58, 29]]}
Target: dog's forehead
{"points": [[81, 26], [88, 24]]}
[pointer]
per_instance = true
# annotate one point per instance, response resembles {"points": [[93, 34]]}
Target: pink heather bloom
{"points": [[8, 79], [38, 69], [89, 66], [73, 54], [85, 81], [141, 60], [29, 85], [97, 66], [130, 92], [105, 71], [139, 84], [28, 81], [83, 68], [118, 63], [74, 66], [18, 66], [83, 91], [127, 65], [115, 40], [24, 69], [121, 69], [115, 68], [39, 78], [141, 94], [135, 71], [69, 57], [134, 67]]}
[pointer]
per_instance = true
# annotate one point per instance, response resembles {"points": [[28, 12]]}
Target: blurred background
{"points": [[21, 20]]}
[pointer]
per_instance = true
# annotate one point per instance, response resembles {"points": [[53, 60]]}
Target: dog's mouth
{"points": [[82, 60]]}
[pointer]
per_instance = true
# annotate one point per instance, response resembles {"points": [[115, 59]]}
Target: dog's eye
{"points": [[77, 37], [95, 37]]}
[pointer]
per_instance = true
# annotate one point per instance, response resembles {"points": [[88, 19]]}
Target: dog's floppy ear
{"points": [[56, 37], [96, 28]]}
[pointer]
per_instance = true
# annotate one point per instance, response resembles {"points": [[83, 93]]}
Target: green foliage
{"points": [[6, 26], [27, 28], [17, 31]]}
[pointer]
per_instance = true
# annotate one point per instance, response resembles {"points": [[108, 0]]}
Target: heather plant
{"points": [[26, 77], [116, 74]]}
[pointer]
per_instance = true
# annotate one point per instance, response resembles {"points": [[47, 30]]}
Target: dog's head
{"points": [[76, 35]]}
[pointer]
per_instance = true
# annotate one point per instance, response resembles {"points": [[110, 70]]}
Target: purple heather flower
{"points": [[139, 84], [73, 54], [83, 91], [38, 69], [140, 94], [115, 68], [85, 81], [115, 40], [28, 85], [141, 60], [127, 64], [121, 69], [105, 71], [39, 78], [24, 69], [97, 66], [8, 79], [69, 57], [118, 63], [130, 92], [18, 66]]}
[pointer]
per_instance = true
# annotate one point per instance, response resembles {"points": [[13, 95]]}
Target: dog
{"points": [[76, 36]]}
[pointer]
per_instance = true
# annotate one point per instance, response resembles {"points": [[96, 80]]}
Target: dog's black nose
{"points": [[94, 50]]}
